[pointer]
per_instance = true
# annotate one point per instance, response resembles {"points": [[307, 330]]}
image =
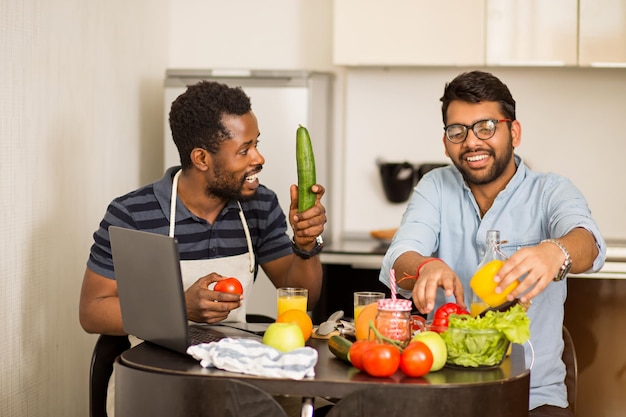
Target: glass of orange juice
{"points": [[292, 298], [364, 298]]}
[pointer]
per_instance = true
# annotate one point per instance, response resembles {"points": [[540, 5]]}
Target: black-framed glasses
{"points": [[483, 130]]}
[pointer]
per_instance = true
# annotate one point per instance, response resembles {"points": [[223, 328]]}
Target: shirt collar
{"points": [[518, 177]]}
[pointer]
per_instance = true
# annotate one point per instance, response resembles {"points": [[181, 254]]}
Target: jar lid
{"points": [[395, 305]]}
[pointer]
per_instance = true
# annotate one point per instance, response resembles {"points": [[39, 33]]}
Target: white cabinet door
{"points": [[602, 33], [409, 32], [532, 32]]}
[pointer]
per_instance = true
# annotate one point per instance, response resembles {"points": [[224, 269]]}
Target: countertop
{"points": [[361, 253], [367, 253]]}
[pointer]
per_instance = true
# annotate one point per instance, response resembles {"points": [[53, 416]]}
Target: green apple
{"points": [[283, 336], [437, 346]]}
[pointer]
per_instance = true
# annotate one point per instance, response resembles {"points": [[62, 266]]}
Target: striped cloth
{"points": [[249, 356]]}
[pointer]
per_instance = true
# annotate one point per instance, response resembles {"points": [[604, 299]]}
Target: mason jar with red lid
{"points": [[394, 319]]}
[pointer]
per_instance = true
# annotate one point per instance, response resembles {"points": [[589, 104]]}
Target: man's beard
{"points": [[227, 187], [492, 174]]}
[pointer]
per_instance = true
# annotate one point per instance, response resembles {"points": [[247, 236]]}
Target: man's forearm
{"points": [[407, 264], [582, 248]]}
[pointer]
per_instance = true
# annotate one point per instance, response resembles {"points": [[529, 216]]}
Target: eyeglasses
{"points": [[483, 130]]}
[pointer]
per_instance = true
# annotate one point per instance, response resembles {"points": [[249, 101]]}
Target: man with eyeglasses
{"points": [[543, 219]]}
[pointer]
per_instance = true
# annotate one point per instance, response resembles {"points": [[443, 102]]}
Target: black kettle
{"points": [[398, 179]]}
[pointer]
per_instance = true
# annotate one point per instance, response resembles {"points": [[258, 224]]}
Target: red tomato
{"points": [[356, 352], [230, 285], [416, 359], [381, 360]]}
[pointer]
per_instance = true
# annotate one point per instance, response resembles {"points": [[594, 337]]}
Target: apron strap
{"points": [[248, 239], [173, 198]]}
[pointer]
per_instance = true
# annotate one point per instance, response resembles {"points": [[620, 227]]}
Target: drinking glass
{"points": [[292, 298], [364, 298]]}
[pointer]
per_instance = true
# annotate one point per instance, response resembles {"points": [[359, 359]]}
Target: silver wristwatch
{"points": [[567, 264]]}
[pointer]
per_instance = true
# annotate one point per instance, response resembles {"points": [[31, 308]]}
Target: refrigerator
{"points": [[281, 100]]}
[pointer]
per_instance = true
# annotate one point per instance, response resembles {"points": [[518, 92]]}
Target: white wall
{"points": [[80, 122]]}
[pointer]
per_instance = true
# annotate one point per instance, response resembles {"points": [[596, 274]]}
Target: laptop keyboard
{"points": [[198, 335]]}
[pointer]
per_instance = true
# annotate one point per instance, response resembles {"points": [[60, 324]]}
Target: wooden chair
{"points": [[105, 351], [571, 366]]}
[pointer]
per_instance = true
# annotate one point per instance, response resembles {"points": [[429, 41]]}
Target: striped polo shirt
{"points": [[148, 209]]}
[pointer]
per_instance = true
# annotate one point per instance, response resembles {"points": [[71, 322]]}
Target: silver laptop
{"points": [[150, 288]]}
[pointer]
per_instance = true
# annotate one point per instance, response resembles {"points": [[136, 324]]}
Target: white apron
{"points": [[239, 266]]}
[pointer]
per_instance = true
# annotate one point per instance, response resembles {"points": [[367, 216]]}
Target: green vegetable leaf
{"points": [[484, 340]]}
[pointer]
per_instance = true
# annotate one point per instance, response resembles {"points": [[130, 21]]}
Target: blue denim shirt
{"points": [[443, 220]]}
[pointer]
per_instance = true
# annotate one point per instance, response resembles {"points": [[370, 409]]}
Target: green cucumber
{"points": [[340, 347], [305, 161]]}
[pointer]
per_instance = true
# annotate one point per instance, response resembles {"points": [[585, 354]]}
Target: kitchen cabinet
{"points": [[408, 32], [480, 32], [602, 30], [532, 32]]}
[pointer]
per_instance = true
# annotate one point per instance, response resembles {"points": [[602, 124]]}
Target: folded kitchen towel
{"points": [[252, 357]]}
